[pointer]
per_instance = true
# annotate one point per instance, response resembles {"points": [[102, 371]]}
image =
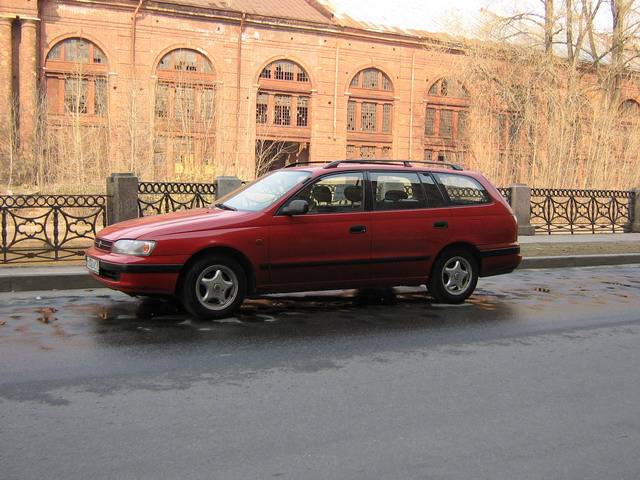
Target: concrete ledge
{"points": [[579, 261], [24, 279]]}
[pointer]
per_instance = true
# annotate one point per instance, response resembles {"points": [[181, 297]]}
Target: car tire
{"points": [[213, 287], [454, 276]]}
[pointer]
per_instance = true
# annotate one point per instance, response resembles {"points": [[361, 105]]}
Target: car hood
{"points": [[156, 226]]}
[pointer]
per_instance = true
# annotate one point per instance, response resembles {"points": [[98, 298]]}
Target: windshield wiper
{"points": [[225, 207]]}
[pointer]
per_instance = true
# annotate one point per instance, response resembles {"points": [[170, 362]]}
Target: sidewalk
{"points": [[540, 251], [561, 245]]}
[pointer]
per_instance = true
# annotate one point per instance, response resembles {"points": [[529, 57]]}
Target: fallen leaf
{"points": [[47, 314], [3, 322], [47, 310]]}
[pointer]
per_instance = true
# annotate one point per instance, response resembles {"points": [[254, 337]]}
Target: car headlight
{"points": [[141, 248]]}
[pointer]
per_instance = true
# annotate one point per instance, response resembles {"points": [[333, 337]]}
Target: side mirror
{"points": [[296, 207]]}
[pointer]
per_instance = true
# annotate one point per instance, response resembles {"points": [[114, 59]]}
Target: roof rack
{"points": [[295, 164], [406, 163]]}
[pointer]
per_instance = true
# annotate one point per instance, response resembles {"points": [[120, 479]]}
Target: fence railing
{"points": [[165, 197], [506, 193], [45, 228], [580, 211]]}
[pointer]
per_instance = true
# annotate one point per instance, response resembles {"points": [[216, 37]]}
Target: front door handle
{"points": [[358, 229], [441, 224]]}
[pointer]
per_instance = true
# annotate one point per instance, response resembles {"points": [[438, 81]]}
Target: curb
{"points": [[579, 261], [20, 279], [27, 281]]}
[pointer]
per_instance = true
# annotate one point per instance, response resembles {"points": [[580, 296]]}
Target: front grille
{"points": [[102, 244], [115, 276]]}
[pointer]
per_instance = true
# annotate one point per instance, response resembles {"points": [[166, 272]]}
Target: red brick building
{"points": [[216, 86]]}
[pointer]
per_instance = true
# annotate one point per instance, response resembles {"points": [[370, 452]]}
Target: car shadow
{"points": [[285, 317]]}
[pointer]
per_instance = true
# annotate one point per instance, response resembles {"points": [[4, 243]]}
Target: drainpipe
{"points": [[238, 84], [133, 37], [335, 96], [134, 109], [413, 77]]}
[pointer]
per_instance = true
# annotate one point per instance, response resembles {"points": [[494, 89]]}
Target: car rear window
{"points": [[462, 190]]}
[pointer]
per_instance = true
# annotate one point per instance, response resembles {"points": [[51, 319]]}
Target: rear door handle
{"points": [[358, 229], [441, 224]]}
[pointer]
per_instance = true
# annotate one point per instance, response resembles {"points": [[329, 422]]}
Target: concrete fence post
{"points": [[634, 211], [122, 197], [226, 185], [521, 206]]}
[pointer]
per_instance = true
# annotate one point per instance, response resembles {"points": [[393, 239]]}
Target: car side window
{"points": [[397, 191], [462, 190], [339, 193], [432, 192]]}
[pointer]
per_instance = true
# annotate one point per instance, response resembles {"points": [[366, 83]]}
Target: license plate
{"points": [[93, 264]]}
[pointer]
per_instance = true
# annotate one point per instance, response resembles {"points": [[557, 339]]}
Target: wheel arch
{"points": [[237, 255], [466, 246]]}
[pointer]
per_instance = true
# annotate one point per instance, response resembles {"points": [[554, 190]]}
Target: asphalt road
{"points": [[536, 377]]}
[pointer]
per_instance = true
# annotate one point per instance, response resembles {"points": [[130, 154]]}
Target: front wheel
{"points": [[454, 276], [213, 287]]}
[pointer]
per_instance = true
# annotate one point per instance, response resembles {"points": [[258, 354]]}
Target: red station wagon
{"points": [[345, 224]]}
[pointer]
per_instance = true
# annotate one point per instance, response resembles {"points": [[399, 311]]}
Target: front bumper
{"points": [[137, 275]]}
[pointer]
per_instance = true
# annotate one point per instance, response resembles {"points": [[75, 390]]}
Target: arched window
{"points": [[185, 90], [76, 78], [630, 110], [370, 115], [629, 120], [283, 121], [185, 114], [445, 124]]}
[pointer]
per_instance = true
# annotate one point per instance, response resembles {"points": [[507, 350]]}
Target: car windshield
{"points": [[264, 192]]}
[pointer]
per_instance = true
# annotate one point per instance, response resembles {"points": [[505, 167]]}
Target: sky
{"points": [[461, 17], [429, 15]]}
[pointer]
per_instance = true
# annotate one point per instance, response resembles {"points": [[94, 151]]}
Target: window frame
{"points": [[423, 202], [447, 114], [314, 180], [369, 194], [58, 70], [419, 173], [371, 107]]}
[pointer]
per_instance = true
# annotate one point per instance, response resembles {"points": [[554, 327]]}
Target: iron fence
{"points": [[165, 197], [44, 228], [506, 193], [580, 211]]}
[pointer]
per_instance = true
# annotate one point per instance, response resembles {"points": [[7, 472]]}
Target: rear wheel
{"points": [[454, 276], [213, 287]]}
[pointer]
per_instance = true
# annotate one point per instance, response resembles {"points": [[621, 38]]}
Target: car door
{"points": [[408, 224], [330, 244]]}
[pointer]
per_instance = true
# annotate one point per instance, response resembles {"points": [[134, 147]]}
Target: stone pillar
{"points": [[226, 185], [122, 197], [6, 75], [28, 84], [634, 212], [521, 206]]}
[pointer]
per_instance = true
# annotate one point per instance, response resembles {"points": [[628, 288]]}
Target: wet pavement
{"points": [[536, 376]]}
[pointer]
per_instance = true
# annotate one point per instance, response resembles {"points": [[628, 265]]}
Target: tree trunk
{"points": [[618, 14], [569, 40], [548, 26]]}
